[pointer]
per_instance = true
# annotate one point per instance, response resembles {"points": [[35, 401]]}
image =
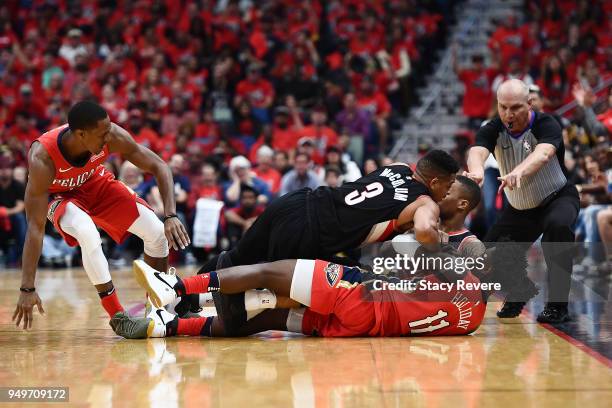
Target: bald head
{"points": [[513, 104], [513, 88]]}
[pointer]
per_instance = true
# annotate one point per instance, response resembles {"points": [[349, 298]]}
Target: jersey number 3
{"points": [[371, 190]]}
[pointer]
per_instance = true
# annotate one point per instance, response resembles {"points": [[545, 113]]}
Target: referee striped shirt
{"points": [[510, 150]]}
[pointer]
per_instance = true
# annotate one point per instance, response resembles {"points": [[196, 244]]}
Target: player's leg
{"points": [[278, 233], [151, 230], [273, 319], [164, 288], [251, 249], [78, 224]]}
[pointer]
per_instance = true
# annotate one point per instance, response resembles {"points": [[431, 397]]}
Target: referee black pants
{"points": [[555, 220]]}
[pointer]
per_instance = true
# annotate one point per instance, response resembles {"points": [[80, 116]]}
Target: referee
{"points": [[529, 150]]}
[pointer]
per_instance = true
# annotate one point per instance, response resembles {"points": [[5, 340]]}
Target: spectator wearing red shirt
{"points": [[265, 171], [178, 115], [554, 84], [23, 130], [28, 103], [478, 96], [142, 134], [257, 91], [322, 135], [246, 126], [377, 103], [507, 40], [240, 219], [206, 133], [114, 105], [207, 186], [284, 136]]}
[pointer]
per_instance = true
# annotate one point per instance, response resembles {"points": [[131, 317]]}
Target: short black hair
{"points": [[85, 115], [245, 188], [472, 190], [437, 162]]}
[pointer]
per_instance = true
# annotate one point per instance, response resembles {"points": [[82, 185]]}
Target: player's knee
{"points": [[81, 226], [155, 242]]}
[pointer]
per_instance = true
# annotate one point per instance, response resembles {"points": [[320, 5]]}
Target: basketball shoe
{"points": [[152, 325], [130, 327], [159, 285]]}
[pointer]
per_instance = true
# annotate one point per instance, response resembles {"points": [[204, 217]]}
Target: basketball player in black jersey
{"points": [[320, 223], [317, 224]]}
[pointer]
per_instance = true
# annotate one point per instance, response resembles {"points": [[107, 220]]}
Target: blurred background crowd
{"points": [[247, 100]]}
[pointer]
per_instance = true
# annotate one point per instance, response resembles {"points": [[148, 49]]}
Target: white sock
{"points": [[206, 300], [259, 299]]}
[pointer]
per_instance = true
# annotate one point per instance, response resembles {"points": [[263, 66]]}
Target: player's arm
{"points": [[123, 143], [425, 214], [41, 174]]}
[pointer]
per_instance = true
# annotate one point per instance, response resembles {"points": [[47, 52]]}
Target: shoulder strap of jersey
{"points": [[49, 141]]}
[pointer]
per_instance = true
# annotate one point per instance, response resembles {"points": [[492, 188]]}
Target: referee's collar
{"points": [[519, 134]]}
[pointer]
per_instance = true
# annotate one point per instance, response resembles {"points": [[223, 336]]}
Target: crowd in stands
{"points": [[563, 51], [246, 100], [249, 100]]}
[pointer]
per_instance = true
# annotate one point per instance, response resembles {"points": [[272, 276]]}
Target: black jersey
{"points": [[460, 238], [365, 210]]}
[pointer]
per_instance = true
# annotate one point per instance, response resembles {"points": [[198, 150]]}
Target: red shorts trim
{"points": [[338, 308], [110, 204]]}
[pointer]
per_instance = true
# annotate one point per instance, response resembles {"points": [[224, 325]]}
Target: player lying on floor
{"points": [[338, 301], [462, 198]]}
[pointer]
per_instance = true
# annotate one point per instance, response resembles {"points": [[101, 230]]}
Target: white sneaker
{"points": [[160, 317], [159, 285]]}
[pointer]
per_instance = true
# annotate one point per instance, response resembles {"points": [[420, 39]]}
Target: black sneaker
{"points": [[517, 299], [554, 314], [231, 311], [510, 309]]}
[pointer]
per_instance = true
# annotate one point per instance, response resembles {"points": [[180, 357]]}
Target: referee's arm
{"points": [[486, 139], [475, 162], [534, 162]]}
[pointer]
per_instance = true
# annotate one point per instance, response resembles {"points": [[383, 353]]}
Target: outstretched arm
{"points": [[475, 162], [123, 143], [41, 175]]}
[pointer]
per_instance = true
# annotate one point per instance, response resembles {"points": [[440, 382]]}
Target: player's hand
{"points": [[511, 180], [176, 234], [477, 176], [25, 307]]}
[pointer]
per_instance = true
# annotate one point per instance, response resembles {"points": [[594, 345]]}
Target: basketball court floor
{"points": [[509, 363]]}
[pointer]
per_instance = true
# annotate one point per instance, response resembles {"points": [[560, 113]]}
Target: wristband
{"points": [[167, 217], [27, 290]]}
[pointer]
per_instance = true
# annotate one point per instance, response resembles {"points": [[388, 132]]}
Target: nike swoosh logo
{"points": [[65, 170], [159, 313], [156, 274]]}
